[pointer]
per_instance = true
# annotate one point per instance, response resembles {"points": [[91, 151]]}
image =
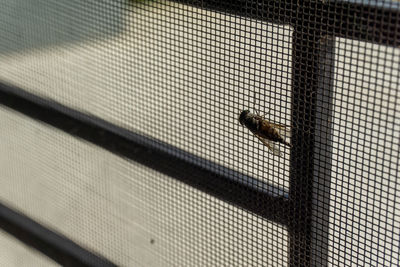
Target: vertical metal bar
{"points": [[323, 152], [312, 85], [304, 102]]}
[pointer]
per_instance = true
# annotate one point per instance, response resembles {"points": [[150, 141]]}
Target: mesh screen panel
{"points": [[129, 213], [140, 156]]}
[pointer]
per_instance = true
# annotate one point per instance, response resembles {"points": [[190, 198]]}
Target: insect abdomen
{"points": [[267, 131]]}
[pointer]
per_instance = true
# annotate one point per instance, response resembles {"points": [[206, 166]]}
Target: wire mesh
{"points": [[173, 77]]}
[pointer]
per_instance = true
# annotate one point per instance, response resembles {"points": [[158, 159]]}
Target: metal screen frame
{"points": [[312, 82]]}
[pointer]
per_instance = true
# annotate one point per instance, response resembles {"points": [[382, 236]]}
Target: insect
{"points": [[267, 132]]}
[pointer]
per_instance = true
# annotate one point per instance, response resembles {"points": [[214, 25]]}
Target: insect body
{"points": [[265, 131]]}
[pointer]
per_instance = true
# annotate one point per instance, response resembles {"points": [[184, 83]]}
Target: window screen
{"points": [[120, 130]]}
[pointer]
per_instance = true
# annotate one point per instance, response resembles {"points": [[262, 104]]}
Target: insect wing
{"points": [[283, 130], [274, 148]]}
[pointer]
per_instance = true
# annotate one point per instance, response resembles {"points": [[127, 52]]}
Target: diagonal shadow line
{"points": [[266, 200], [54, 245]]}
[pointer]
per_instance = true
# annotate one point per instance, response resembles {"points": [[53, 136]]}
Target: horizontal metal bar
{"points": [[271, 11], [54, 245], [139, 149], [364, 22], [369, 23]]}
